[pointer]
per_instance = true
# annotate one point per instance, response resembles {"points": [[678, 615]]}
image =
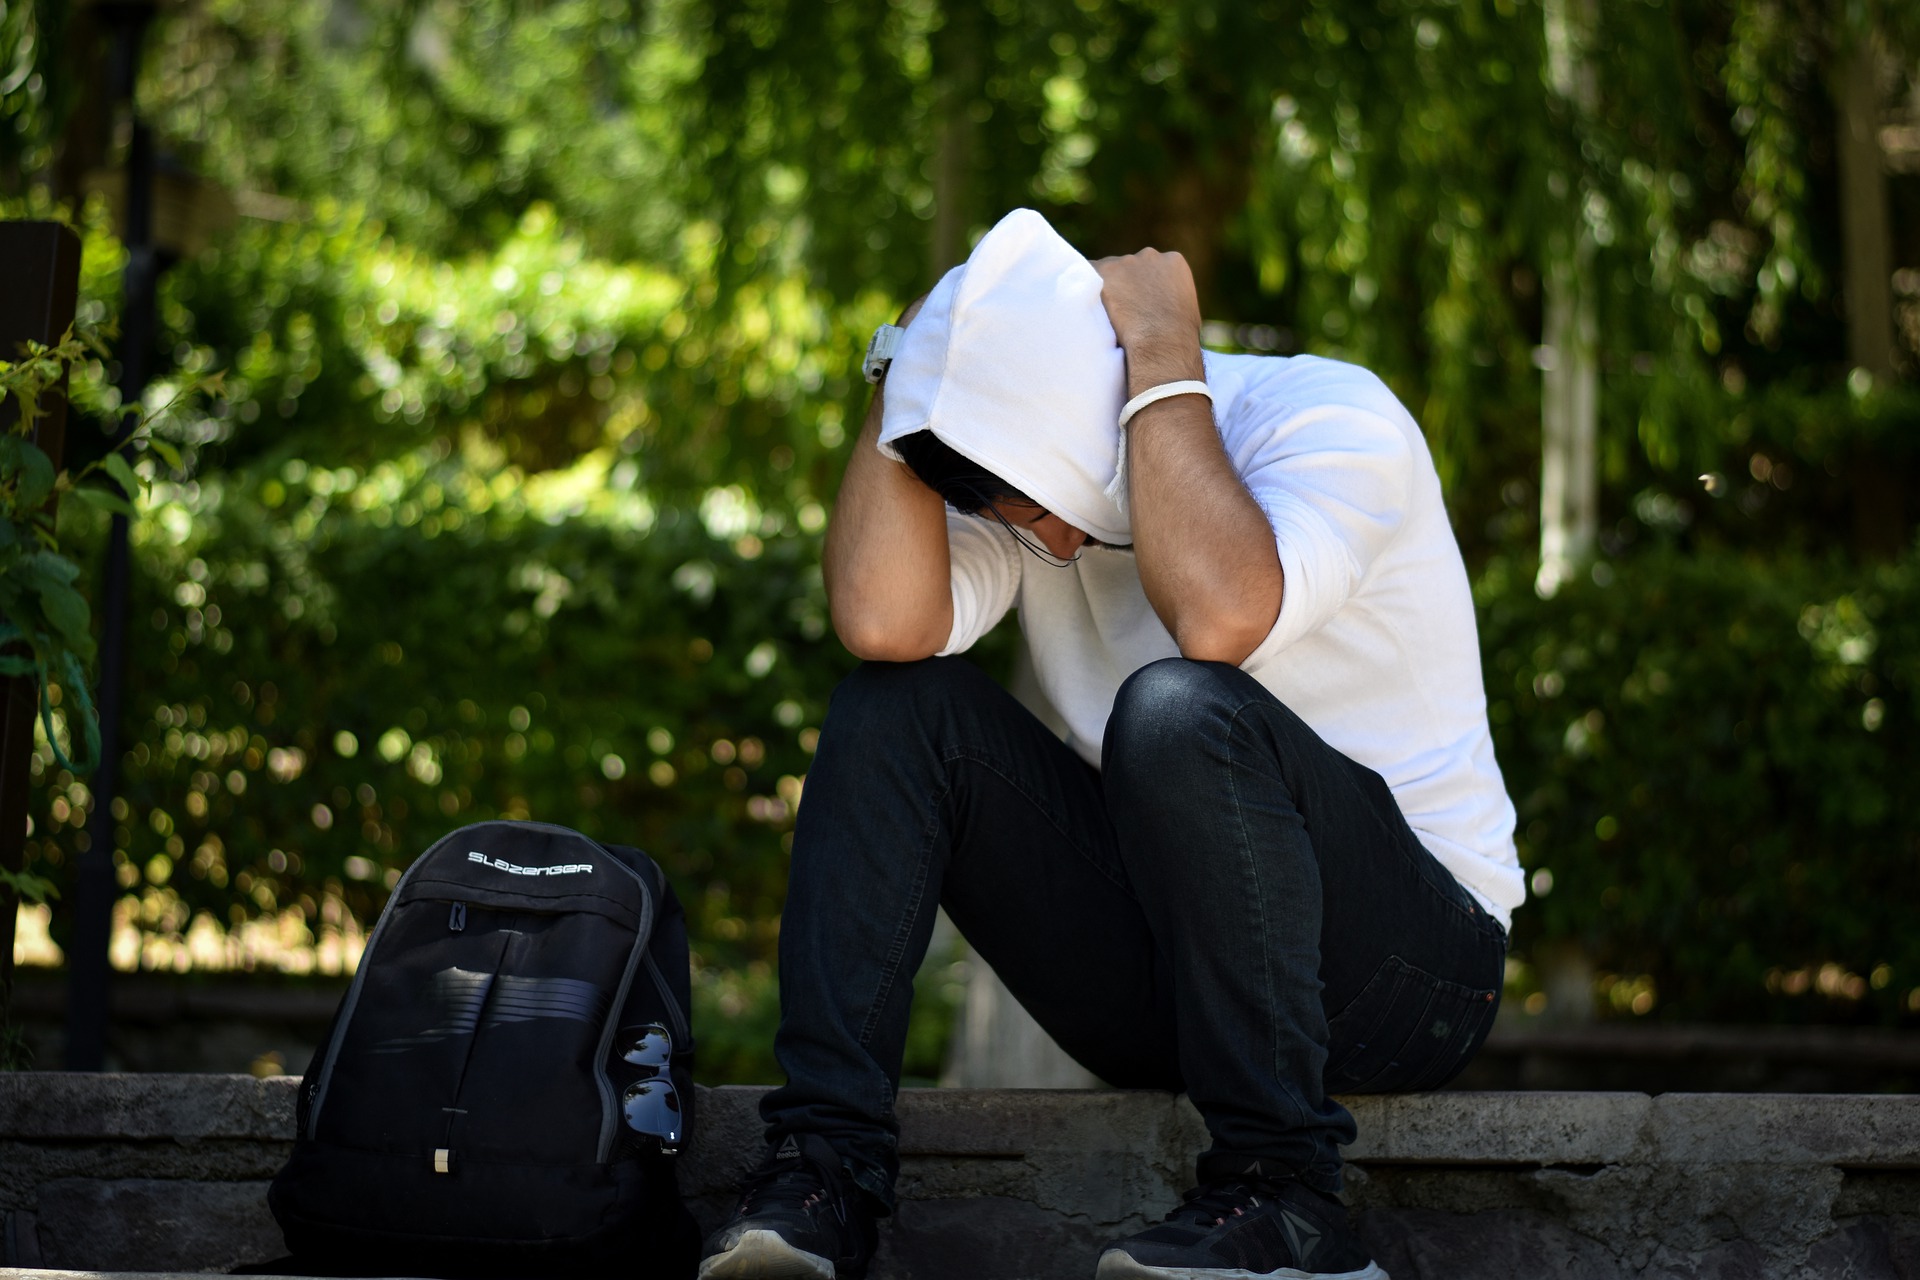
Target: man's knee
{"points": [[1168, 704], [1176, 712]]}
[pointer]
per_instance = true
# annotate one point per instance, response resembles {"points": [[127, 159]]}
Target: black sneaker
{"points": [[799, 1218], [1253, 1229]]}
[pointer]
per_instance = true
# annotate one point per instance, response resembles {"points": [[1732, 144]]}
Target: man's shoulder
{"points": [[1274, 407], [1284, 383]]}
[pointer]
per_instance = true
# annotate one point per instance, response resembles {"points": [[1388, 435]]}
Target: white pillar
{"points": [[1568, 356], [1569, 420]]}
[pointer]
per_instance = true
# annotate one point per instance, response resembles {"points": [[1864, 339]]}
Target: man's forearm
{"points": [[1207, 556], [885, 561]]}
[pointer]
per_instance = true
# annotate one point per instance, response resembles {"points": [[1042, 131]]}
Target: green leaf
{"points": [[48, 566], [168, 454], [36, 477], [105, 500], [67, 610], [27, 886], [116, 465], [30, 470]]}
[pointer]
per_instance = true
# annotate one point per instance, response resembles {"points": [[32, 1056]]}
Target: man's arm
{"points": [[1207, 555], [885, 560]]}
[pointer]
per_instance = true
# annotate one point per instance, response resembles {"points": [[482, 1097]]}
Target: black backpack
{"points": [[524, 993]]}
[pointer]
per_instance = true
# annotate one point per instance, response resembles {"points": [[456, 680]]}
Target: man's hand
{"points": [[1155, 311], [1207, 556]]}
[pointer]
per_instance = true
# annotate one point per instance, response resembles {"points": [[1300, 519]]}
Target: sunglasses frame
{"points": [[649, 1077], [629, 1040], [663, 1143]]}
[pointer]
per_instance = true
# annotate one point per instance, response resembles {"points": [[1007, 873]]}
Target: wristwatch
{"points": [[880, 351]]}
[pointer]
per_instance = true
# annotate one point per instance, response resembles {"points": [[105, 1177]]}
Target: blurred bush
{"points": [[1713, 757], [541, 329], [332, 669]]}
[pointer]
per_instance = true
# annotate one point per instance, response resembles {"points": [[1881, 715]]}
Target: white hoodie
{"points": [[1013, 363]]}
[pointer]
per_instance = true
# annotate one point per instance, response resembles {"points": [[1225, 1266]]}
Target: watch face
{"points": [[880, 352]]}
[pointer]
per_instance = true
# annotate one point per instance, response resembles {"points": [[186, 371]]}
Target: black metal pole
{"points": [[89, 970], [42, 260]]}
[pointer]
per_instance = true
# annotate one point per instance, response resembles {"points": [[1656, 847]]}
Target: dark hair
{"points": [[966, 485], [969, 487]]}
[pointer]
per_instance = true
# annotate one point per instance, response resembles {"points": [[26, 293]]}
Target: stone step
{"points": [[167, 1173]]}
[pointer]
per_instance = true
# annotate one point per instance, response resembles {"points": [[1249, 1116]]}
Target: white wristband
{"points": [[1153, 395]]}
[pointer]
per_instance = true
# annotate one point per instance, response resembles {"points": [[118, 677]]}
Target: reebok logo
{"points": [[515, 869], [1303, 1235], [788, 1149]]}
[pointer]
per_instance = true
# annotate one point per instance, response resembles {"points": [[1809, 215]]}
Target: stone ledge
{"points": [[44, 1106], [167, 1173], [1848, 1130]]}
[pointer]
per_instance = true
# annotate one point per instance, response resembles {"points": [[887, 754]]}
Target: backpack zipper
{"points": [[642, 941], [682, 1033]]}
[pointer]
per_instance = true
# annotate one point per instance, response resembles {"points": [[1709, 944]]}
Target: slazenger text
{"points": [[512, 868]]}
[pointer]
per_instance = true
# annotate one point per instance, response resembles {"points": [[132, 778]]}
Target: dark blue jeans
{"points": [[1228, 906]]}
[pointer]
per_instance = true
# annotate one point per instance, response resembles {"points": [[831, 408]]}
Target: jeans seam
{"points": [[973, 755], [1301, 1111], [890, 970], [1403, 974], [1474, 915]]}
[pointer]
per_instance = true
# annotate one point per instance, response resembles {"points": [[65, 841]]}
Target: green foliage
{"points": [[1712, 758], [32, 101], [346, 665], [18, 886], [41, 608], [43, 618], [1386, 183], [540, 329]]}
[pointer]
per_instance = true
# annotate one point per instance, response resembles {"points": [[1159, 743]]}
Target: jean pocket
{"points": [[1407, 1030]]}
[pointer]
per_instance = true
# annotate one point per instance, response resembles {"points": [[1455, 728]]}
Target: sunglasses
{"points": [[650, 1105]]}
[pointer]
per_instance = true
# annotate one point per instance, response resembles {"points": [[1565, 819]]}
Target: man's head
{"points": [[1012, 371], [969, 487]]}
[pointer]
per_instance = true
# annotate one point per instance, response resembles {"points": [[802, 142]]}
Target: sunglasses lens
{"points": [[652, 1109], [649, 1046]]}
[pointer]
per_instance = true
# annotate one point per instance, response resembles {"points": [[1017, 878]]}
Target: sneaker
{"points": [[1252, 1229], [799, 1218]]}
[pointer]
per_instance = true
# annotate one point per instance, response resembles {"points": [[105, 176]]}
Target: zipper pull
{"points": [[457, 918]]}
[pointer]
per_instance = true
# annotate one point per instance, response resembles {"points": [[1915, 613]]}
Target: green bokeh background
{"points": [[542, 324]]}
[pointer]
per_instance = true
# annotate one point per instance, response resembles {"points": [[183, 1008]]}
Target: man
{"points": [[1273, 857]]}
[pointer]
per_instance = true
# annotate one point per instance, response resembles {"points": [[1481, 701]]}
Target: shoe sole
{"points": [[1118, 1265], [763, 1255]]}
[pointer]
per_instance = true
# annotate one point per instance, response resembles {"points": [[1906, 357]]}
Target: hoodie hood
{"points": [[1013, 363]]}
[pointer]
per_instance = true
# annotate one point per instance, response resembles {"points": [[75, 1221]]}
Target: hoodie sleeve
{"points": [[1333, 477], [986, 577]]}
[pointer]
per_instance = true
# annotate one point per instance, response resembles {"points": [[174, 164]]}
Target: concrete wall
{"points": [[160, 1173]]}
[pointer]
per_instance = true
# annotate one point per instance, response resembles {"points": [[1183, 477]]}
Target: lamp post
{"points": [[94, 889], [163, 212]]}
